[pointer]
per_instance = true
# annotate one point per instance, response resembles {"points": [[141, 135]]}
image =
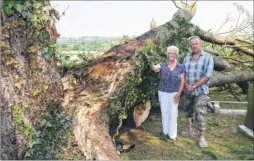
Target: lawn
{"points": [[225, 141]]}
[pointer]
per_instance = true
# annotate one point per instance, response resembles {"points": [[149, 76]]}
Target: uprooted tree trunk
{"points": [[95, 85]]}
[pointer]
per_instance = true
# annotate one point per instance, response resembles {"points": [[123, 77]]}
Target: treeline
{"points": [[88, 44]]}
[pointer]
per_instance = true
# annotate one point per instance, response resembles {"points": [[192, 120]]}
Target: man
{"points": [[198, 70]]}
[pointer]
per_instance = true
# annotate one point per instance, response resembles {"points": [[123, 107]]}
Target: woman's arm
{"points": [[180, 90], [156, 68]]}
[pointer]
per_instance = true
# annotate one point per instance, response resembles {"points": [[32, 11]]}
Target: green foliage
{"points": [[11, 6], [88, 44], [51, 136], [178, 37]]}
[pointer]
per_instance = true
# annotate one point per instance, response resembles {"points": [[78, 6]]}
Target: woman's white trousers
{"points": [[169, 113]]}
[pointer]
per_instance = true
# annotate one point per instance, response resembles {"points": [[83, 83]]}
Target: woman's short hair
{"points": [[173, 49]]}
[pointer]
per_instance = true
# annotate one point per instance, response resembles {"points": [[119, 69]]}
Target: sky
{"points": [[132, 18]]}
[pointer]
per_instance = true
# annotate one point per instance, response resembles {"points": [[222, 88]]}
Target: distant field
{"points": [[62, 52]]}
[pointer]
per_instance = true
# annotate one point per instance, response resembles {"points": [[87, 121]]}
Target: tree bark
{"points": [[27, 83]]}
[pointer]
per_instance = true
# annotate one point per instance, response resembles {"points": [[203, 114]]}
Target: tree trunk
{"points": [[27, 83]]}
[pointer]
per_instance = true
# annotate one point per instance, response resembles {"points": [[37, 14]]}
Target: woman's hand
{"points": [[156, 68], [177, 98]]}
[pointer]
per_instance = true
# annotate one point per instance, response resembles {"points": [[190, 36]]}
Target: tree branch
{"points": [[231, 77]]}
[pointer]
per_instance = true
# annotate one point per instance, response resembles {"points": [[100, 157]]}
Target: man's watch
{"points": [[194, 86]]}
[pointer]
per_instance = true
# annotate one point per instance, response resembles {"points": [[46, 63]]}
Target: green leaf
{"points": [[28, 4], [18, 7], [46, 49], [48, 56], [45, 35], [37, 5], [43, 122], [9, 3], [24, 14], [8, 11]]}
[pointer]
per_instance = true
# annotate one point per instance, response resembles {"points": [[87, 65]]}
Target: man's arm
{"points": [[200, 82]]}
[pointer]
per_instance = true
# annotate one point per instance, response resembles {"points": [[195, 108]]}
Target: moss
{"points": [[26, 129]]}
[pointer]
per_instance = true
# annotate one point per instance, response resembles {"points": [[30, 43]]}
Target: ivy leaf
{"points": [[27, 3], [31, 144], [37, 5], [8, 11], [18, 85], [45, 35], [9, 3], [43, 122], [46, 49], [32, 49], [48, 56], [19, 7], [24, 14]]}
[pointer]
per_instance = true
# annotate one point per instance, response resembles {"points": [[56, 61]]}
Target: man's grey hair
{"points": [[195, 38]]}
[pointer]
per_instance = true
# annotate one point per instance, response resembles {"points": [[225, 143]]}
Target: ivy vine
{"points": [[51, 136], [40, 18]]}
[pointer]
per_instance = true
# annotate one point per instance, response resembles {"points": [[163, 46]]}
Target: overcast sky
{"points": [[118, 18]]}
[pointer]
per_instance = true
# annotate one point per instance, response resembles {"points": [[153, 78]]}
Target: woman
{"points": [[170, 88]]}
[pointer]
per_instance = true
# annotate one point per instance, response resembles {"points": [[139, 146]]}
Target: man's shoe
{"points": [[202, 143], [187, 133]]}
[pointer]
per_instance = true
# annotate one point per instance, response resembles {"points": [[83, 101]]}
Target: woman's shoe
{"points": [[170, 139]]}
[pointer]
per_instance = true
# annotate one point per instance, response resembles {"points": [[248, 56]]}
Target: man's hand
{"points": [[189, 88]]}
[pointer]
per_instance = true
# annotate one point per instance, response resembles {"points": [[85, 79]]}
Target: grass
{"points": [[226, 96], [225, 141]]}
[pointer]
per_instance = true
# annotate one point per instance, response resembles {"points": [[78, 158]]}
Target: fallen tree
{"points": [[121, 78], [101, 92]]}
